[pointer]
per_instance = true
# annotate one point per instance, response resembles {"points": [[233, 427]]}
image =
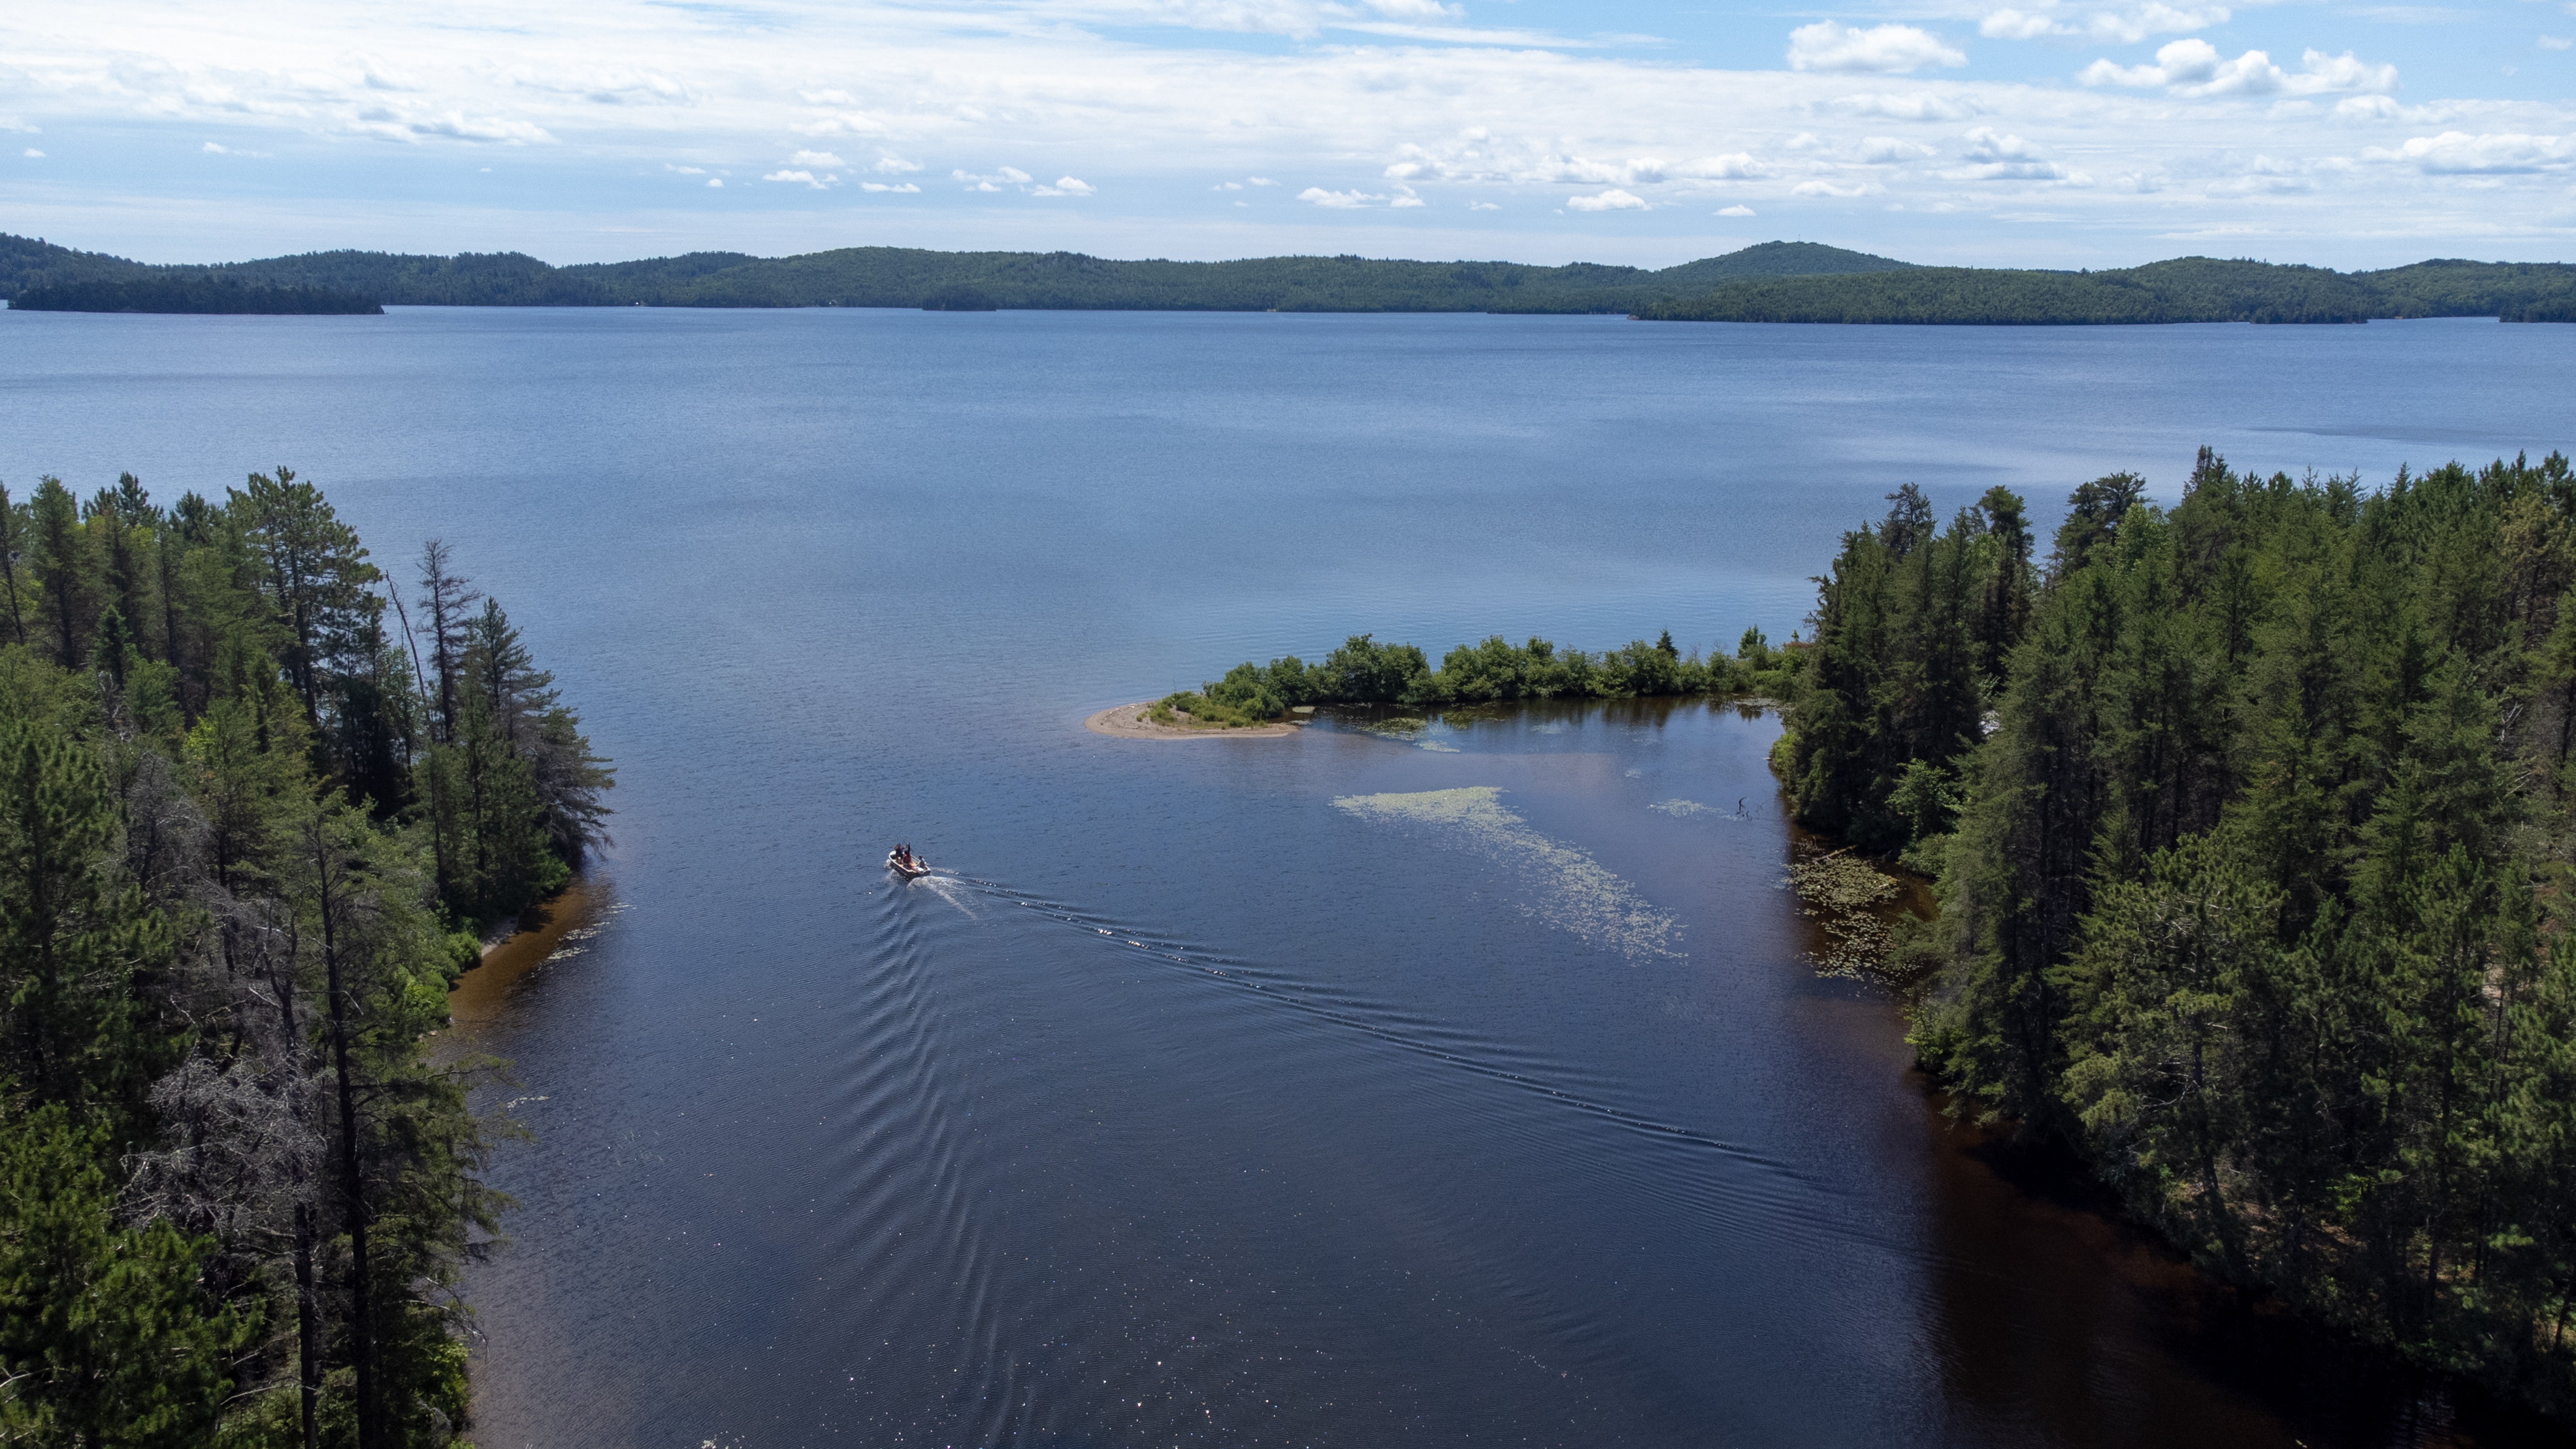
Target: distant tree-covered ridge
{"points": [[202, 293], [2188, 289], [255, 802], [1772, 282], [962, 281]]}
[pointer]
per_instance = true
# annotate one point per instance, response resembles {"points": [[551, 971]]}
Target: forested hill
{"points": [[905, 277], [2187, 289]]}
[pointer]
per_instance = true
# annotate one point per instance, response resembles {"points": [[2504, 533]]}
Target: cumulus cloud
{"points": [[905, 188], [33, 154], [684, 170], [1919, 106], [807, 178], [213, 149], [1007, 176], [2116, 26], [1613, 199], [1484, 206], [1336, 200], [1886, 49], [2457, 153], [1477, 155], [716, 182], [1993, 156], [1064, 186], [400, 123], [824, 159], [1840, 191], [2194, 68], [2555, 42], [599, 87], [890, 164], [1735, 211]]}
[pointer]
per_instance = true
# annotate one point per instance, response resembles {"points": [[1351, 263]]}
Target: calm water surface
{"points": [[1455, 1086]]}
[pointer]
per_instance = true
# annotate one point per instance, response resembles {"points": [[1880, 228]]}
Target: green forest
{"points": [[1363, 671], [256, 806], [2187, 289], [198, 293], [2251, 820], [955, 281], [1772, 282]]}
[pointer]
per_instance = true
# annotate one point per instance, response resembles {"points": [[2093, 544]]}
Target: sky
{"points": [[2055, 133]]}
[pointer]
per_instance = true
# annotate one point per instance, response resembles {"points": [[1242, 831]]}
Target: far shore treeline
{"points": [[256, 802], [1772, 282]]}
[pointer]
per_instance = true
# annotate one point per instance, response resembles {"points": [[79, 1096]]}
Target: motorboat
{"points": [[909, 871]]}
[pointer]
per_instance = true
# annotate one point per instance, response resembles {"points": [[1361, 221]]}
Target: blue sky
{"points": [[1967, 131]]}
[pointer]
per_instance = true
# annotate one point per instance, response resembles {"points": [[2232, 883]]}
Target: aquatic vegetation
{"points": [[1847, 897], [1565, 887]]}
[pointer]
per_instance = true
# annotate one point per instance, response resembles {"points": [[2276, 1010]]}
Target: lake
{"points": [[1456, 1083]]}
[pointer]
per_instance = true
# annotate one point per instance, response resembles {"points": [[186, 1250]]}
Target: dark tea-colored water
{"points": [[1459, 1082]]}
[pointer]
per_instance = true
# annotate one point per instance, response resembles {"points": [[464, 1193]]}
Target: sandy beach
{"points": [[1128, 722]]}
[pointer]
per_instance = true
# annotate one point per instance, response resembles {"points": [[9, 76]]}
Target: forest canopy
{"points": [[1771, 282], [255, 806], [2252, 819]]}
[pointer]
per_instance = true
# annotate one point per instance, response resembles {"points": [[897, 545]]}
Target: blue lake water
{"points": [[1457, 1086]]}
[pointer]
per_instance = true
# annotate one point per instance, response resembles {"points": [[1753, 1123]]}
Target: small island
{"points": [[1261, 701]]}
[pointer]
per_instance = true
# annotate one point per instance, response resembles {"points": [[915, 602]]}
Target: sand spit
{"points": [[1128, 722]]}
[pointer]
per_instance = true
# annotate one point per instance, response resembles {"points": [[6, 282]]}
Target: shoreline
{"points": [[534, 934], [1128, 722]]}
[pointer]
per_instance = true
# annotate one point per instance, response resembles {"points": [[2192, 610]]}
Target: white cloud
{"points": [[1888, 150], [806, 177], [824, 159], [212, 149], [890, 164], [401, 122], [906, 188], [602, 87], [1994, 156], [1483, 206], [2555, 42], [1404, 197], [716, 181], [1336, 200], [1834, 189], [2194, 68], [1887, 49], [33, 154], [1065, 186], [1260, 181], [2367, 108], [2116, 26], [1735, 211], [1613, 199], [684, 170], [2457, 153], [842, 123], [1918, 106]]}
